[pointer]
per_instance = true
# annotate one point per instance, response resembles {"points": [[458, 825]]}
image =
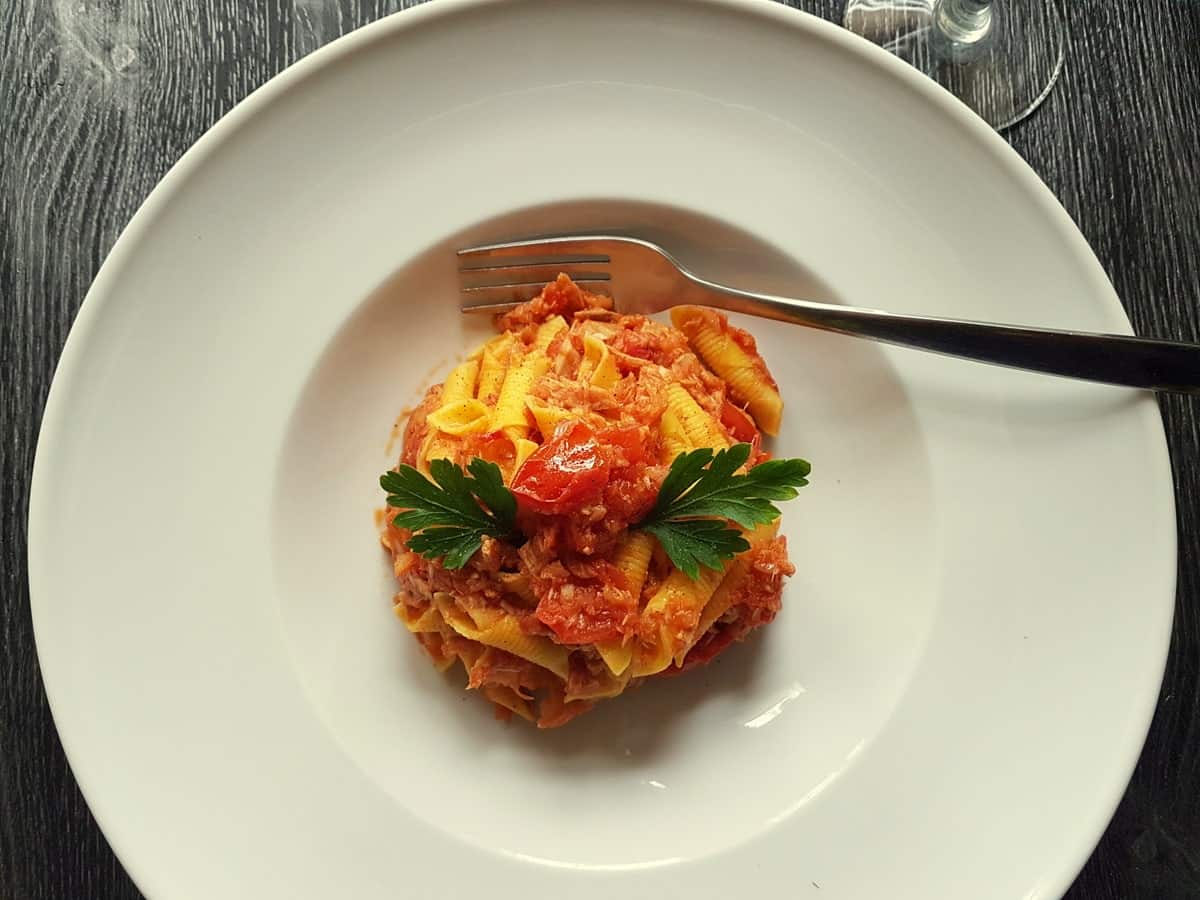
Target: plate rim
{"points": [[294, 76]]}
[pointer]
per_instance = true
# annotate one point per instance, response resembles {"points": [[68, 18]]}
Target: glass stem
{"points": [[963, 21]]}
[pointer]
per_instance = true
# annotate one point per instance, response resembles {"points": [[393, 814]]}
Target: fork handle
{"points": [[1157, 365]]}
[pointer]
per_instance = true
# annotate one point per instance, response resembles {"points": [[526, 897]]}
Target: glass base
{"points": [[1003, 72]]}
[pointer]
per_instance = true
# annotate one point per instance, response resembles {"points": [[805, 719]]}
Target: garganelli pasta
{"points": [[584, 410]]}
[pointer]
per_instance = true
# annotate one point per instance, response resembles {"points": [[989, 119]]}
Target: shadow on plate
{"points": [[628, 731]]}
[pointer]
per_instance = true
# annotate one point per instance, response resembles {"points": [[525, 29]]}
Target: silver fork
{"points": [[643, 278]]}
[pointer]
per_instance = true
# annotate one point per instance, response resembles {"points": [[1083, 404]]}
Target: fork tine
{"points": [[488, 307], [503, 263], [497, 297], [568, 249], [499, 276], [494, 299]]}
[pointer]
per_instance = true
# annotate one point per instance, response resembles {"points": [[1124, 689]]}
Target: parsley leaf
{"points": [[445, 514], [489, 487], [701, 494], [697, 542], [455, 545]]}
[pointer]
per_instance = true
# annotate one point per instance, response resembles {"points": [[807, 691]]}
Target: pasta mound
{"points": [[587, 607]]}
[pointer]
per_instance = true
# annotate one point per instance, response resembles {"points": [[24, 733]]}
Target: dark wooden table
{"points": [[99, 97]]}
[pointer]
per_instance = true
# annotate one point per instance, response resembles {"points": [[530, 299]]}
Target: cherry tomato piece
{"points": [[564, 473], [630, 439], [494, 446], [738, 421]]}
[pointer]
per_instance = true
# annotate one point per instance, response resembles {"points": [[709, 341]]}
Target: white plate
{"points": [[958, 687]]}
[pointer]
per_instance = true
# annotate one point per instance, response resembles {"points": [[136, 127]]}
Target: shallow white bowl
{"points": [[958, 687]]}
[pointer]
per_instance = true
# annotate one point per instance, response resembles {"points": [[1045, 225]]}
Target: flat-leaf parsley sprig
{"points": [[450, 515], [701, 494]]}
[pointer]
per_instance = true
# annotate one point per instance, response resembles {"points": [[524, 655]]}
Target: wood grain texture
{"points": [[99, 97]]}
